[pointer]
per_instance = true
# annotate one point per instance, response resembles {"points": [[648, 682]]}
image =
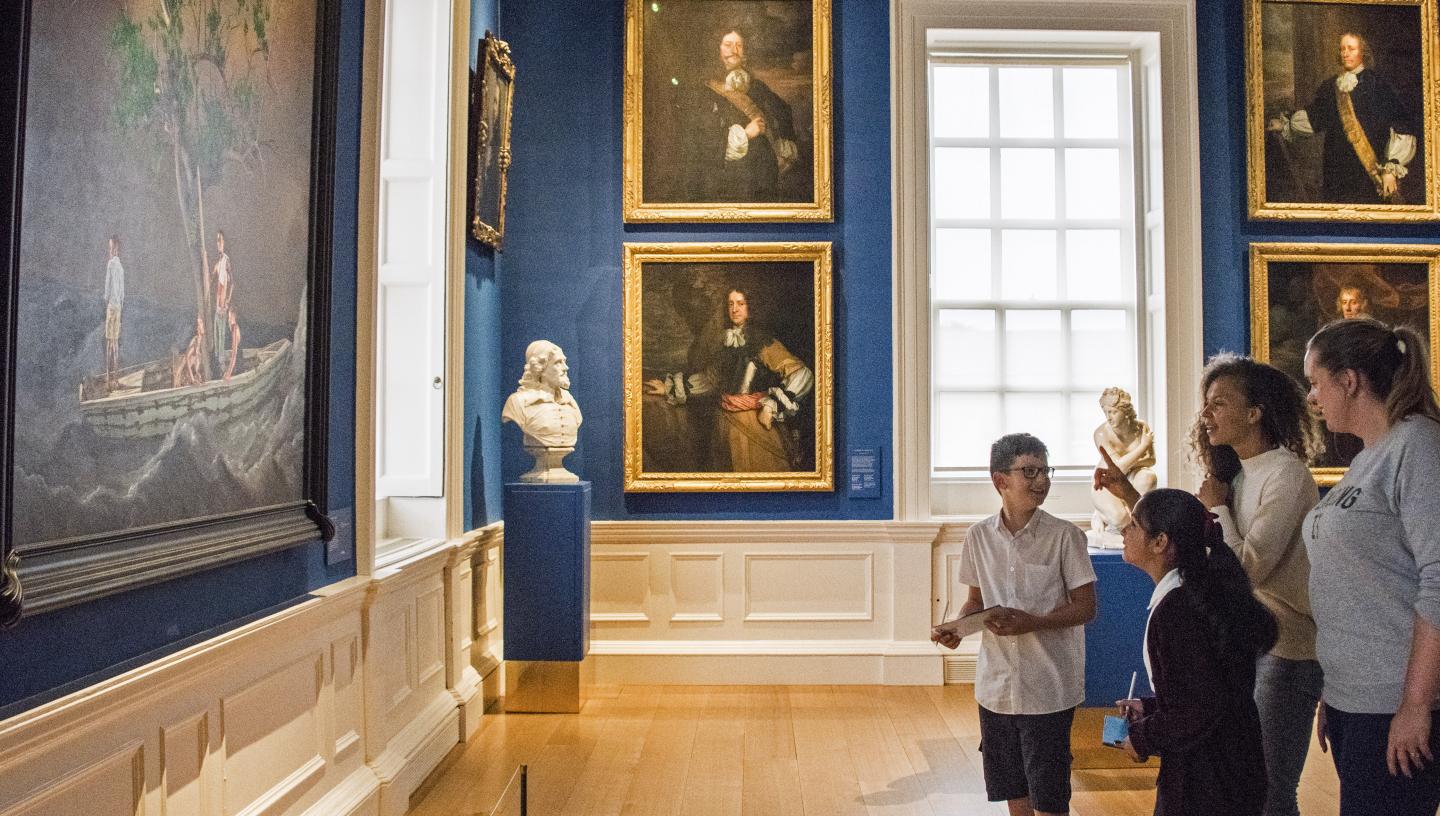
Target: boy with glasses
{"points": [[1031, 670]]}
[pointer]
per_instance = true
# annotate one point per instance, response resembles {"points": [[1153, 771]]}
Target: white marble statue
{"points": [[1131, 446], [546, 413]]}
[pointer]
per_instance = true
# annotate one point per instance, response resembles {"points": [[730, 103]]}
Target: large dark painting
{"points": [[728, 372], [1297, 288], [172, 264], [727, 111], [1341, 126]]}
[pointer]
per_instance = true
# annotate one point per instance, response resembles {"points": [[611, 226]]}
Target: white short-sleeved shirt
{"points": [[1034, 570]]}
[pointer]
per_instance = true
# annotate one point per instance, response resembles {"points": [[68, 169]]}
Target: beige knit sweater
{"points": [[1268, 502]]}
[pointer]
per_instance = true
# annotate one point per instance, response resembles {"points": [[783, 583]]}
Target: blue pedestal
{"points": [[547, 571], [1114, 639]]}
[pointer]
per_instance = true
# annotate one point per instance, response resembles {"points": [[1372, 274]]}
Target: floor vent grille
{"points": [[960, 669]]}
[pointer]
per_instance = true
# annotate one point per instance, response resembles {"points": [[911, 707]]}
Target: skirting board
{"points": [[416, 759], [358, 795], [893, 663]]}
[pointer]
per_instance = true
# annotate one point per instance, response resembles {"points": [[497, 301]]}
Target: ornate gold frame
{"points": [[1255, 129], [495, 65], [637, 210], [823, 476], [1263, 254]]}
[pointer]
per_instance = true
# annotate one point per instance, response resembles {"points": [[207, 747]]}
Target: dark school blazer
{"points": [[1202, 721]]}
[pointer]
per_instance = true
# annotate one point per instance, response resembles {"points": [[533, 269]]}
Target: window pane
{"points": [[1033, 353], [961, 107], [1100, 348], [1085, 417], [1092, 265], [1092, 182], [961, 265], [1091, 103], [1027, 106], [1027, 182], [1027, 269], [962, 182], [964, 348], [1042, 415], [964, 426]]}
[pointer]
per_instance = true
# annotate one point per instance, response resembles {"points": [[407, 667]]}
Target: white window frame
{"points": [[397, 519], [1062, 223], [1161, 36]]}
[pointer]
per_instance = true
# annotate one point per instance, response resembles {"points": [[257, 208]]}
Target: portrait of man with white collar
{"points": [[1343, 105]]}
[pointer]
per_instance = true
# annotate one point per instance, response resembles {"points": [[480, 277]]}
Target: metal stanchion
{"points": [[524, 808]]}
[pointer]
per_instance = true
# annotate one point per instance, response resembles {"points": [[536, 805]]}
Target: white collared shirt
{"points": [[1034, 570], [1163, 588]]}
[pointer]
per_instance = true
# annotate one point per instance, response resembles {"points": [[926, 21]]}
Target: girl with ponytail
{"points": [[1254, 438], [1374, 549], [1205, 631]]}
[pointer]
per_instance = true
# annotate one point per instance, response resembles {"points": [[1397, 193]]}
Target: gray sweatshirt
{"points": [[1374, 546]]}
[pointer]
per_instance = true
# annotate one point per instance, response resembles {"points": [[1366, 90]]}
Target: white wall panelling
{"points": [[762, 602], [319, 709], [837, 586], [620, 586], [697, 581], [947, 596]]}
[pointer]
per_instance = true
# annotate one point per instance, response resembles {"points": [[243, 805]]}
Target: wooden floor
{"points": [[772, 751]]}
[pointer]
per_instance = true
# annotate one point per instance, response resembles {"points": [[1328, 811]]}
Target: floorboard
{"points": [[776, 751]]}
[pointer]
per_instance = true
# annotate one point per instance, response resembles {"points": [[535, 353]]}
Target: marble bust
{"points": [[1131, 444], [545, 412]]}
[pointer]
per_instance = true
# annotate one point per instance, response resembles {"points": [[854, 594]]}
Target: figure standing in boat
{"points": [[226, 327], [114, 304]]}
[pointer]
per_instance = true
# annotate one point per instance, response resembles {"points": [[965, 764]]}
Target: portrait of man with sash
{"points": [[726, 116], [1342, 128]]}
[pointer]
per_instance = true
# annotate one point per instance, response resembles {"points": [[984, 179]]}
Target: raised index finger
{"points": [[1110, 463]]}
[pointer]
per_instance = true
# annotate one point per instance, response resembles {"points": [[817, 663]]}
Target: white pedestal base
{"points": [[549, 467]]}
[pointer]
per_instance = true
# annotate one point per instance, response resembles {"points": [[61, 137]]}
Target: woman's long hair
{"points": [[1285, 418], [1243, 629], [1394, 363]]}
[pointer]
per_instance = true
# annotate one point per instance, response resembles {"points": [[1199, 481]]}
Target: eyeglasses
{"points": [[1033, 472]]}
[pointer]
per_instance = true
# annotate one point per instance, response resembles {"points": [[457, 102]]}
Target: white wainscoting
{"points": [[762, 602], [341, 704]]}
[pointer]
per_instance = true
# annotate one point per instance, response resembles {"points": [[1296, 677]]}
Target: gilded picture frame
{"points": [[492, 95], [687, 104], [717, 336], [1295, 288], [1310, 168]]}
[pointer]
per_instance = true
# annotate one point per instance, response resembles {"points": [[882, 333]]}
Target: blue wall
{"points": [[1228, 232], [562, 275], [57, 652], [483, 395]]}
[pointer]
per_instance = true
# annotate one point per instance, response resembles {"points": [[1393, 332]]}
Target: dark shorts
{"points": [[1027, 755]]}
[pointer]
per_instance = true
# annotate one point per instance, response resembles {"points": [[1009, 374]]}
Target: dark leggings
{"points": [[1358, 743]]}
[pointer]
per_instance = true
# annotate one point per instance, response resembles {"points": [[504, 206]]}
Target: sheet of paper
{"points": [[968, 624]]}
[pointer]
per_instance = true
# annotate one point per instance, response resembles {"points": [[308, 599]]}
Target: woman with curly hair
{"points": [[1253, 437], [1205, 631]]}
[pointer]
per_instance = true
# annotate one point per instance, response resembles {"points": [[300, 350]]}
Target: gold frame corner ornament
{"points": [[821, 208], [1259, 208], [495, 64], [819, 254], [1262, 254]]}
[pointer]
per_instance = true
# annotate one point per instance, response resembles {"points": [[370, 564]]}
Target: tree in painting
{"points": [[190, 78]]}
